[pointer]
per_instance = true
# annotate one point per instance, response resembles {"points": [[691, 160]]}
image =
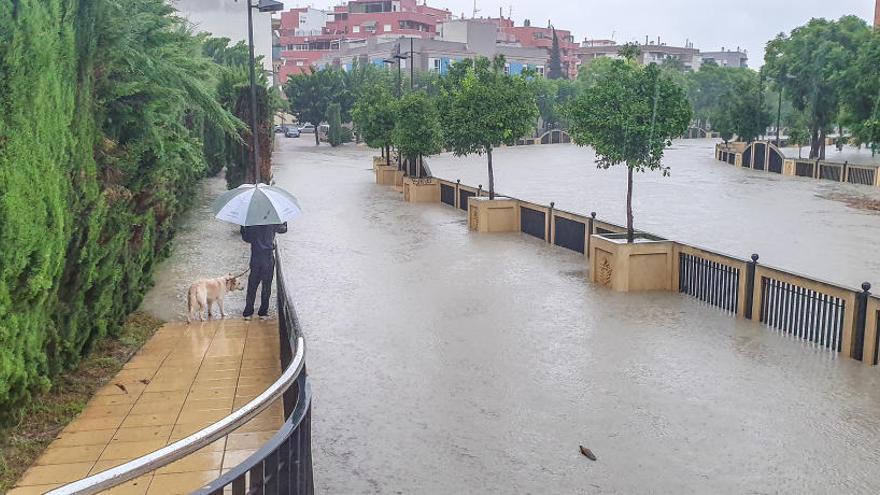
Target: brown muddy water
{"points": [[445, 362], [825, 230]]}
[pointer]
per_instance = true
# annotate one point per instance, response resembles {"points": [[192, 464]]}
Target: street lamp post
{"points": [[262, 6]]}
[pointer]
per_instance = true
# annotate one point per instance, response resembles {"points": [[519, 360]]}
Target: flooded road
{"points": [[447, 362], [801, 225]]}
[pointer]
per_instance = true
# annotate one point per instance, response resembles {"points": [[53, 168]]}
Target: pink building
{"points": [[542, 37], [307, 34]]}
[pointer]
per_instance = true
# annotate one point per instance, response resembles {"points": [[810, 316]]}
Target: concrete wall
{"points": [[228, 19]]}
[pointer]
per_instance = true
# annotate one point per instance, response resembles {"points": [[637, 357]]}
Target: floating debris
{"points": [[588, 453], [122, 387], [145, 381]]}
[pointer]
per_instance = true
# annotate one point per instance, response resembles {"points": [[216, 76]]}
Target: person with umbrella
{"points": [[262, 265], [262, 212]]}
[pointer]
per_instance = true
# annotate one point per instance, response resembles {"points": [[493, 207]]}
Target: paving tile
{"points": [[154, 419], [217, 374], [112, 400], [212, 415], [199, 461], [102, 466], [155, 407], [33, 490], [137, 486], [218, 383], [131, 450], [94, 424], [142, 433], [215, 393], [181, 483], [70, 455], [164, 397], [105, 411], [208, 404], [232, 458], [182, 430], [80, 438], [244, 441], [57, 473]]}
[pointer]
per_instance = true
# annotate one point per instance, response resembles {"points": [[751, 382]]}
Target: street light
{"points": [[263, 6]]}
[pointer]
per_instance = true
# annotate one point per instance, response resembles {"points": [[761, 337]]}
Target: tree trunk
{"points": [[814, 143], [491, 176], [317, 140], [630, 235], [387, 155], [822, 137]]}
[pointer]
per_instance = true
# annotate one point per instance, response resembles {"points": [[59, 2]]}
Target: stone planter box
{"points": [[421, 190], [378, 161], [645, 265], [385, 175], [399, 175], [493, 216]]}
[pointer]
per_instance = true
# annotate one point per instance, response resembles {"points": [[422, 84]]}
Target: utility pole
{"points": [[412, 65], [255, 134]]}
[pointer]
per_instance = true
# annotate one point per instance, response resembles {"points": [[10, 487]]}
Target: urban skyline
{"points": [[748, 24]]}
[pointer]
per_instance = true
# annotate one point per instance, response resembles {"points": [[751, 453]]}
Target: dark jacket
{"points": [[262, 238]]}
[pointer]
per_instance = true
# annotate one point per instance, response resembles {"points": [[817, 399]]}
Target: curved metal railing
{"points": [[283, 465]]}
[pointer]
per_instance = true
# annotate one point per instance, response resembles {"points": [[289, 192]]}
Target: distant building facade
{"points": [[541, 37], [727, 58], [307, 35], [458, 40], [651, 52], [656, 52]]}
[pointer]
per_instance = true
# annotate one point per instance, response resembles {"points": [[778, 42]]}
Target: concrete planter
{"points": [[421, 190], [645, 265], [493, 216], [378, 161], [399, 175], [385, 175]]}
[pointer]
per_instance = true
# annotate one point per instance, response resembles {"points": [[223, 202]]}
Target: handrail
{"points": [[193, 443]]}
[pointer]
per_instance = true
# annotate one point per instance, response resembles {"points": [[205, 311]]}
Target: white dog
{"points": [[205, 293]]}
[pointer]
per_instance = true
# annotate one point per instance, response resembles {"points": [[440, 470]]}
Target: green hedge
{"points": [[103, 107]]}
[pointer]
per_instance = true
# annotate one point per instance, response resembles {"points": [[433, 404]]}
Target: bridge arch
{"points": [[763, 155], [555, 136]]}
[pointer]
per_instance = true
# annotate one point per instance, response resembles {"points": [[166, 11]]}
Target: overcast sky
{"points": [[709, 24]]}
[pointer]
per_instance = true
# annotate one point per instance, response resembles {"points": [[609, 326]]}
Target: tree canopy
{"points": [[630, 117], [417, 131], [486, 109], [810, 65], [311, 93]]}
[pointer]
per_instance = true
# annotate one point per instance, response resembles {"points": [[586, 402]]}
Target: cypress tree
{"points": [[555, 71]]}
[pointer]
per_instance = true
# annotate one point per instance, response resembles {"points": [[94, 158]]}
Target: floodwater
{"points": [[445, 362], [797, 224]]}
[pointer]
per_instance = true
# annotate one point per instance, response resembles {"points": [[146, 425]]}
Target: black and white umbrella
{"points": [[258, 204]]}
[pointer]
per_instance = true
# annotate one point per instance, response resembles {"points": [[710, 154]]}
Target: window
{"points": [[300, 63], [387, 28], [435, 64], [540, 70], [506, 69], [356, 29]]}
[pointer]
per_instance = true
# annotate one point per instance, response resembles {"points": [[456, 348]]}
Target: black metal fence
{"points": [[447, 194], [570, 234], [859, 175], [709, 281], [804, 169], [283, 465], [463, 198], [830, 172], [533, 222], [803, 313]]}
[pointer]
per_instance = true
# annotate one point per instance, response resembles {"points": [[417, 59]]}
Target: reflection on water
{"points": [[804, 225]]}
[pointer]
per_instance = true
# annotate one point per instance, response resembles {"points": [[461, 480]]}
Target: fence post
{"points": [[861, 318], [591, 231], [550, 223], [844, 177], [457, 193], [750, 287]]}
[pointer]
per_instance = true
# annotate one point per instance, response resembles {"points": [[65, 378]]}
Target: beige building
{"points": [[652, 52]]}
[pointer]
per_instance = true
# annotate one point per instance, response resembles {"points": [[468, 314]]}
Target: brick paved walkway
{"points": [[184, 378]]}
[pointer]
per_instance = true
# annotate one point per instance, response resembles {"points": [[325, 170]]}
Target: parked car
{"points": [[307, 129], [292, 132], [279, 129]]}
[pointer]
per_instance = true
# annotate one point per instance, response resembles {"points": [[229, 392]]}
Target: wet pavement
{"points": [[797, 224], [449, 362]]}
